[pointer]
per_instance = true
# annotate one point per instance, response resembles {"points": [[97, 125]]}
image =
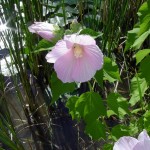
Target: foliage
{"points": [[103, 109]]}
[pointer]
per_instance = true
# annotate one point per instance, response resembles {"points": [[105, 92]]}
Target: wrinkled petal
{"points": [[125, 143], [86, 67], [143, 136], [48, 35], [59, 50], [142, 145], [64, 66], [80, 39]]}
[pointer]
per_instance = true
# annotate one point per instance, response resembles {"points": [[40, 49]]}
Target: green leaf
{"points": [[146, 120], [138, 88], [145, 24], [118, 104], [111, 71], [144, 67], [90, 106], [75, 27], [131, 37], [58, 87], [119, 131], [91, 32], [96, 130], [141, 54], [43, 45], [139, 41], [108, 147], [99, 77], [143, 11], [71, 106]]}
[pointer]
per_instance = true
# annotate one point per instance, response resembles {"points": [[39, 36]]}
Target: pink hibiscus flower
{"points": [[45, 30], [130, 143], [76, 58]]}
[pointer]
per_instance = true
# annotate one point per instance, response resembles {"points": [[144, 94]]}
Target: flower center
{"points": [[78, 51]]}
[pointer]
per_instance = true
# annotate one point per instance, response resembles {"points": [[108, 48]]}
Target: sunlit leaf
{"points": [[141, 54], [111, 71], [138, 87], [139, 41], [117, 104], [131, 37]]}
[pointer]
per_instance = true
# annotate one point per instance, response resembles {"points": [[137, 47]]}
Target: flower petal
{"points": [[143, 136], [95, 54], [125, 143], [80, 39], [86, 66], [41, 26], [142, 145], [59, 50], [48, 35], [64, 66]]}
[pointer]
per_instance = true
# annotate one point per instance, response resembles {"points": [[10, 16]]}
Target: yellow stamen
{"points": [[78, 51]]}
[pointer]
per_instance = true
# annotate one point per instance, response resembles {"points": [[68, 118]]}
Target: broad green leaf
{"points": [[145, 69], [141, 54], [119, 131], [118, 104], [43, 45], [110, 69], [143, 11], [138, 88], [90, 106], [75, 27], [71, 106], [99, 77], [131, 37], [139, 41], [145, 24], [58, 87], [91, 32], [146, 120], [95, 130]]}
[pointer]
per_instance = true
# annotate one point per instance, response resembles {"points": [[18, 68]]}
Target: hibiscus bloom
{"points": [[45, 30], [130, 143], [76, 58]]}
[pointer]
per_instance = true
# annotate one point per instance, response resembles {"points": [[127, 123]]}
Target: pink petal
{"points": [[48, 35], [86, 66], [80, 39], [142, 145], [143, 136], [41, 26], [64, 67], [59, 50], [125, 143]]}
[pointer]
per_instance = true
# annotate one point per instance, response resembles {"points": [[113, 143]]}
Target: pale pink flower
{"points": [[76, 58], [45, 30], [130, 143]]}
